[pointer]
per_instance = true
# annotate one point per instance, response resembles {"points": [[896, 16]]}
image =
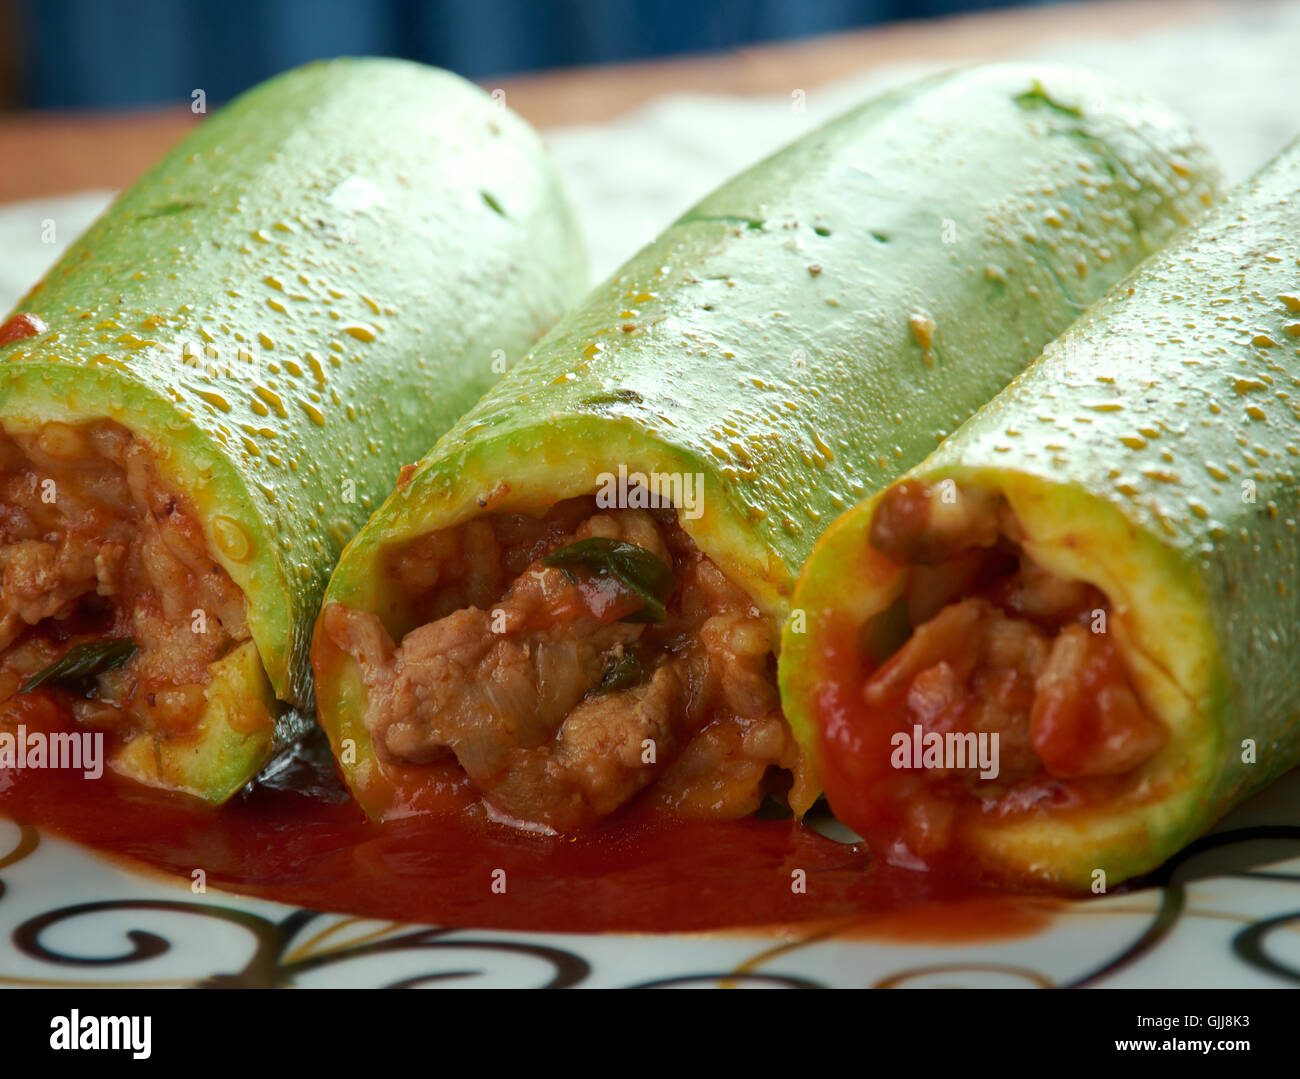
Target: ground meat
{"points": [[1001, 645], [461, 685], [94, 544], [42, 580], [1086, 720], [970, 668], [511, 683], [600, 757]]}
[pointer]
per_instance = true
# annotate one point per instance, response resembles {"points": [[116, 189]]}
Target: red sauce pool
{"points": [[301, 841]]}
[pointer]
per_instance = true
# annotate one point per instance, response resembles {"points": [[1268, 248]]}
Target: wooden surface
{"points": [[55, 153]]}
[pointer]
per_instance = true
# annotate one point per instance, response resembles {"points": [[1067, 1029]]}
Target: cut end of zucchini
{"points": [[231, 741]]}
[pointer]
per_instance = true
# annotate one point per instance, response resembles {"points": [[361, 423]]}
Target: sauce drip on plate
{"points": [[298, 838]]}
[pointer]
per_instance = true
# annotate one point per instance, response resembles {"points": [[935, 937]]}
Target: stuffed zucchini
{"points": [[218, 383], [1065, 644], [576, 596]]}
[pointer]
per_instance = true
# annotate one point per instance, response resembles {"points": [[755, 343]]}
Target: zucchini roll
{"points": [[220, 380], [575, 598], [1096, 577]]}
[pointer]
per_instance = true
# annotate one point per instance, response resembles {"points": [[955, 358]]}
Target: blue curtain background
{"points": [[115, 53]]}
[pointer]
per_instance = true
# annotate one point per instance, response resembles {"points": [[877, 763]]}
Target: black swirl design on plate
{"points": [[1030, 978], [144, 944], [277, 963], [270, 967], [1173, 900], [779, 981], [1173, 904], [1249, 945], [568, 968]]}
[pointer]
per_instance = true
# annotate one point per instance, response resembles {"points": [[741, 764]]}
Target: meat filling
{"points": [[999, 645], [562, 692], [94, 547]]}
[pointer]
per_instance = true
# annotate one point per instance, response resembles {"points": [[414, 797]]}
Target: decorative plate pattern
{"points": [[1225, 912]]}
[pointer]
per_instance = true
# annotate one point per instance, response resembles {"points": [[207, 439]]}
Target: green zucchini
{"points": [[794, 340], [1150, 455], [289, 307]]}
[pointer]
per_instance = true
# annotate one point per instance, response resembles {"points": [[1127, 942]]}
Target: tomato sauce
{"points": [[855, 751], [298, 838], [21, 327], [920, 820]]}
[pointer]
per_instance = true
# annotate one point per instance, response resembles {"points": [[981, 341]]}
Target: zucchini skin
{"points": [[342, 250], [1153, 449], [805, 332]]}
